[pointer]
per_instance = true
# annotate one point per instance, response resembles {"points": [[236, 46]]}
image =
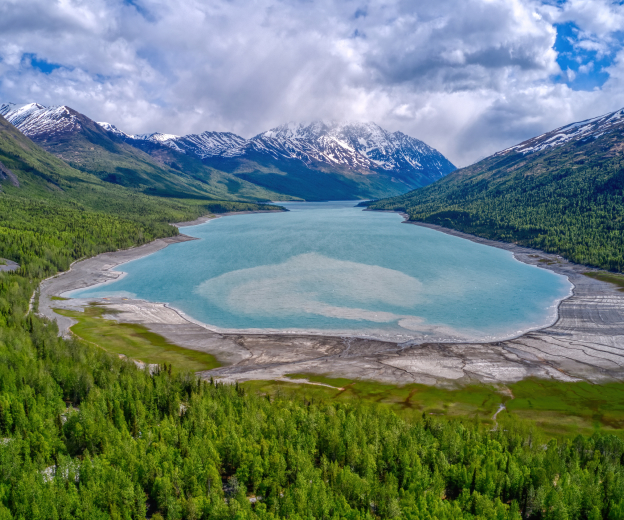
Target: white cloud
{"points": [[468, 77]]}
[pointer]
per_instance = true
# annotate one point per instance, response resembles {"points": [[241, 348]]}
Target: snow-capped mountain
{"points": [[348, 159], [206, 144], [34, 119], [357, 145], [113, 129], [583, 130], [209, 144], [103, 150], [363, 147]]}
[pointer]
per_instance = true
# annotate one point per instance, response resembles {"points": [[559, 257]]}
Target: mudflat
{"points": [[585, 343]]}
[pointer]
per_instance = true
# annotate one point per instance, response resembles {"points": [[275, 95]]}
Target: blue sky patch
{"points": [[140, 9], [577, 52], [41, 65]]}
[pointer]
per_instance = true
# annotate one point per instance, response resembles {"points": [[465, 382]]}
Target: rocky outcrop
{"points": [[5, 174]]}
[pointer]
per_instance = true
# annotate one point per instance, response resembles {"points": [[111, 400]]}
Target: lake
{"points": [[332, 268]]}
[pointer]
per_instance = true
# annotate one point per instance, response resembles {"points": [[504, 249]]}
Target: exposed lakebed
{"points": [[332, 268]]}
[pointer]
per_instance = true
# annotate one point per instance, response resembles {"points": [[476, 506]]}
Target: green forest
{"points": [[84, 434], [569, 201], [87, 435]]}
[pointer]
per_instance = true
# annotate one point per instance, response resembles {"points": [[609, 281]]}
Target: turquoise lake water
{"points": [[333, 268]]}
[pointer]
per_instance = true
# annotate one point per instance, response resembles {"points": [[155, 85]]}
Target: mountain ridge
{"points": [[105, 152], [310, 161], [585, 129], [562, 192], [347, 159], [362, 146]]}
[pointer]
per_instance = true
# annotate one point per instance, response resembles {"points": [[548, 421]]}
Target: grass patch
{"points": [[569, 407], [616, 279], [135, 341], [58, 298], [475, 400], [557, 409]]}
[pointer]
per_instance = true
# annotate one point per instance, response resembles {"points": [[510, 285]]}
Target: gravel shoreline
{"points": [[586, 342]]}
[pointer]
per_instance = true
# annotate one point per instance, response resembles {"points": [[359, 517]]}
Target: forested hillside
{"points": [[566, 199], [84, 434], [51, 214], [157, 170]]}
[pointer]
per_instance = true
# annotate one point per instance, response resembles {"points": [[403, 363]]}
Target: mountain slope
{"points": [[44, 202], [364, 147], [316, 160], [89, 147], [50, 211], [561, 192]]}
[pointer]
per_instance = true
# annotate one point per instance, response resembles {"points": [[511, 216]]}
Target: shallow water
{"points": [[333, 268]]}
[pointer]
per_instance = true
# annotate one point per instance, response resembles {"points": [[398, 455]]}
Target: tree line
{"points": [[575, 209], [84, 434]]}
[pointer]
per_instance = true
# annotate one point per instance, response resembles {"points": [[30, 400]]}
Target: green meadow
{"points": [[558, 409], [605, 276], [135, 341]]}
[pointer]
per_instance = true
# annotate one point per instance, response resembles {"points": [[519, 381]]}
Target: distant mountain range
{"points": [[320, 160], [363, 147], [562, 191], [86, 146]]}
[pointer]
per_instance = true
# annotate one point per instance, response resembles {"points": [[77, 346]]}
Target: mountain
{"points": [[204, 145], [317, 160], [364, 147], [581, 132], [28, 173], [562, 192], [104, 152]]}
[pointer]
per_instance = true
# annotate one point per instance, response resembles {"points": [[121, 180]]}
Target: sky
{"points": [[468, 77]]}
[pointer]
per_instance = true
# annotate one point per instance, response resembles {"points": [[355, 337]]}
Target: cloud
{"points": [[469, 77]]}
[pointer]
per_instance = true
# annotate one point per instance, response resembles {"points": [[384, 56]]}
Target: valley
{"points": [[311, 260], [590, 317], [539, 376], [148, 364], [584, 344]]}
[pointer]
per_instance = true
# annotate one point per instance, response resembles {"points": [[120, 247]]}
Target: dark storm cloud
{"points": [[469, 77]]}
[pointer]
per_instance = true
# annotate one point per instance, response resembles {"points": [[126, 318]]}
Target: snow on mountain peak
{"points": [[356, 144], [34, 119], [360, 146], [581, 130], [156, 137], [113, 129]]}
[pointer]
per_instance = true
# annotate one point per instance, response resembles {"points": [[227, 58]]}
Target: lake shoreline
{"points": [[526, 255], [265, 355], [426, 333], [207, 218]]}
